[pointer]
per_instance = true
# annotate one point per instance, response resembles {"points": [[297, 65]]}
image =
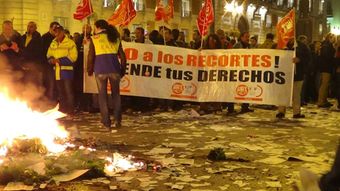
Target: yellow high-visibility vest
{"points": [[102, 44]]}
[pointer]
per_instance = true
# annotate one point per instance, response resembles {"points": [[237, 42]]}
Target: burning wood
{"points": [[24, 130], [118, 164], [19, 122]]}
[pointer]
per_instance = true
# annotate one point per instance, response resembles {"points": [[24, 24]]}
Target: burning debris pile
{"points": [[35, 148]]}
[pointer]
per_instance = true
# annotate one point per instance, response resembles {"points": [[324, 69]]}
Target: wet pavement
{"points": [[263, 153]]}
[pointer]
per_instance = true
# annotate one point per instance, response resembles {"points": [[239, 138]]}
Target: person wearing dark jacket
{"points": [[9, 44], [326, 69], [31, 53], [301, 62], [83, 101], [337, 72], [103, 60], [243, 43], [48, 72]]}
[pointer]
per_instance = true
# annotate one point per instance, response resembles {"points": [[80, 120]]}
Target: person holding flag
{"points": [[103, 60]]}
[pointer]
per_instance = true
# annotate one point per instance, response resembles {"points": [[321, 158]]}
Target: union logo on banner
{"points": [[246, 92], [181, 90], [285, 29]]}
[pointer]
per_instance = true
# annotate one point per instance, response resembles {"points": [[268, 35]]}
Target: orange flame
{"points": [[19, 121]]}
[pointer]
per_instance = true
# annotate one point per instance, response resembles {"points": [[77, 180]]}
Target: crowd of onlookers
{"points": [[317, 75]]}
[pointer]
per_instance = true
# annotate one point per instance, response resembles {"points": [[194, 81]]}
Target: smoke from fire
{"points": [[24, 84]]}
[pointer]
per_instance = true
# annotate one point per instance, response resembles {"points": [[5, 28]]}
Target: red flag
{"points": [[205, 17], [164, 12], [285, 29], [84, 9], [124, 14]]}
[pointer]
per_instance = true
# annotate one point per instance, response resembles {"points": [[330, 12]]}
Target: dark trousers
{"points": [[309, 89], [65, 95], [49, 83], [331, 180], [231, 108], [102, 80], [337, 78]]}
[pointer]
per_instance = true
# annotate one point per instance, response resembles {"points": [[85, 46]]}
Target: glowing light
{"points": [[233, 7], [335, 30], [118, 164], [19, 122]]}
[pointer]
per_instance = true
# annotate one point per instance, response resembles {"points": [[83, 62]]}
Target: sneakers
{"points": [[299, 116], [280, 115]]}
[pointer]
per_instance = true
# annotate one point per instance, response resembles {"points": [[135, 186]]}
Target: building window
{"points": [[185, 8], [263, 11], [138, 4], [268, 21], [290, 3], [320, 29], [321, 3], [310, 5], [111, 3], [297, 5], [279, 2], [250, 11]]}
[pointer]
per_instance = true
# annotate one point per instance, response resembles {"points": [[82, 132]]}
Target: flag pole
{"points": [[164, 31], [204, 23]]}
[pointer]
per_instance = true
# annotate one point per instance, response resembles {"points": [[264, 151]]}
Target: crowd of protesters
{"points": [[55, 61]]}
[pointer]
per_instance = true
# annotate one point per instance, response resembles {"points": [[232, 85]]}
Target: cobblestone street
{"points": [[263, 153]]}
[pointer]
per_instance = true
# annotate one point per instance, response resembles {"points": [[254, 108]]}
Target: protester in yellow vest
{"points": [[62, 53], [103, 60]]}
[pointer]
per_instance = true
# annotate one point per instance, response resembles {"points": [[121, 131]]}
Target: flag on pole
{"points": [[205, 17], [123, 14], [164, 10], [285, 29], [84, 9]]}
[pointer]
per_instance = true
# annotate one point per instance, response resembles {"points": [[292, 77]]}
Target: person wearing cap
{"points": [[62, 53], [106, 59], [48, 71]]}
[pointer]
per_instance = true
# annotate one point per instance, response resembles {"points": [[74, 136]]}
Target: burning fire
{"points": [[118, 164], [19, 122]]}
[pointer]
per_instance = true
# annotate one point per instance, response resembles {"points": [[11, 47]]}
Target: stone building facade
{"points": [[257, 16]]}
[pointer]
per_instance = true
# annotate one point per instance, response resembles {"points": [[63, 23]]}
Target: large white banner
{"points": [[260, 76]]}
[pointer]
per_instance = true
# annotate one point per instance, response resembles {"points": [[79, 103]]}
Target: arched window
{"points": [[138, 4], [290, 3], [185, 8], [279, 2]]}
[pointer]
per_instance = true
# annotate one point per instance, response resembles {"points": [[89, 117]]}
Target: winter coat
{"points": [[33, 50], [327, 57], [304, 55]]}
